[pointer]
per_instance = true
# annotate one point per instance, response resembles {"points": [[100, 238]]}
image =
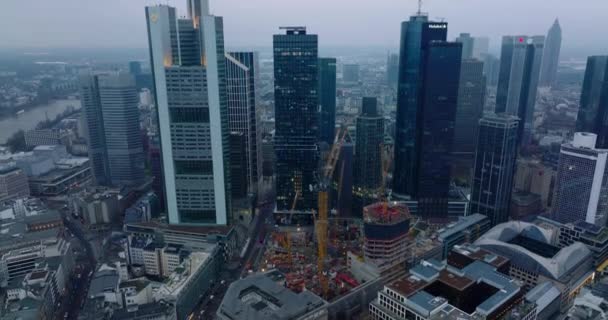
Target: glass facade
{"points": [[327, 99], [593, 111], [116, 152], [368, 155], [296, 117], [471, 99], [520, 63], [437, 120], [189, 69], [416, 34], [494, 167], [242, 79]]}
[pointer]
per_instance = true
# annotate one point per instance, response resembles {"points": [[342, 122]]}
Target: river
{"points": [[30, 118]]}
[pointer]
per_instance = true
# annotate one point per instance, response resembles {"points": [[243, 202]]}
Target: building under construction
{"points": [[295, 253], [385, 232]]}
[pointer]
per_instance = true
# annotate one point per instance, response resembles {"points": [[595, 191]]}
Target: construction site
{"points": [[314, 258]]}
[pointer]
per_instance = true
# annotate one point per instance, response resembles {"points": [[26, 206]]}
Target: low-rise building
{"points": [[13, 182], [259, 297], [435, 290], [40, 137], [466, 229]]}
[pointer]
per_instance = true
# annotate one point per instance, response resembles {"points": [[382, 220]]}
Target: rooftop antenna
{"points": [[419, 7]]}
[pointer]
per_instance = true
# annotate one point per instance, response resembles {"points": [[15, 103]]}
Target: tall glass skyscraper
{"points": [[416, 35], [188, 64], [110, 106], [368, 154], [327, 99], [242, 81], [520, 62], [441, 78], [468, 43], [593, 111], [471, 100], [494, 166], [296, 103], [553, 46]]}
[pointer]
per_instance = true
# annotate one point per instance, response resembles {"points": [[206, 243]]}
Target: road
{"points": [[209, 304], [78, 285]]}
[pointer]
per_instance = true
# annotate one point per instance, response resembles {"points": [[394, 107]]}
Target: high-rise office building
{"points": [[553, 46], [135, 68], [471, 100], [491, 68], [116, 150], [392, 69], [481, 47], [520, 61], [468, 43], [327, 99], [350, 72], [188, 63], [416, 35], [297, 118], [242, 81], [441, 78], [368, 153], [238, 165], [494, 166], [581, 189], [593, 111]]}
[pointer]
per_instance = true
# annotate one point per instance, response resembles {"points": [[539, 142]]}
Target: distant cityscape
{"points": [[193, 179]]}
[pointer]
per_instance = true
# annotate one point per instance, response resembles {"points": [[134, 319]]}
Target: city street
{"points": [[209, 304]]}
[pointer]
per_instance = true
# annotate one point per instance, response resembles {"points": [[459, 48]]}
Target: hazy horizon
{"points": [[119, 23]]}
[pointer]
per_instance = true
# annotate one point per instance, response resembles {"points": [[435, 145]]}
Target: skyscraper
{"points": [[135, 68], [471, 100], [416, 34], [188, 64], [297, 118], [327, 99], [581, 189], [494, 166], [553, 45], [368, 153], [593, 111], [350, 72], [441, 78], [116, 152], [242, 81], [468, 44], [520, 61], [491, 68], [392, 69], [481, 46]]}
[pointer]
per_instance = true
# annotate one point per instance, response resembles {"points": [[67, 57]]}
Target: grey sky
{"points": [[120, 23]]}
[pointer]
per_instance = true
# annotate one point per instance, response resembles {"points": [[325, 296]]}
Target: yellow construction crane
{"points": [[323, 202], [287, 234]]}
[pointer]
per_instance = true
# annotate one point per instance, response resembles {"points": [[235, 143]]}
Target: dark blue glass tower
{"points": [[494, 166], [297, 117], [327, 99], [416, 35], [593, 112], [441, 78]]}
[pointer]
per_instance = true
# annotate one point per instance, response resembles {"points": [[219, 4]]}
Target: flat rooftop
{"points": [[258, 297]]}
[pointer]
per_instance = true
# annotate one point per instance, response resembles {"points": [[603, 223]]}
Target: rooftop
{"points": [[258, 297], [528, 243], [386, 213], [462, 224]]}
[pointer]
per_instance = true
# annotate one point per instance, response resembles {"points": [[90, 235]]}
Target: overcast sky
{"points": [[121, 23]]}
